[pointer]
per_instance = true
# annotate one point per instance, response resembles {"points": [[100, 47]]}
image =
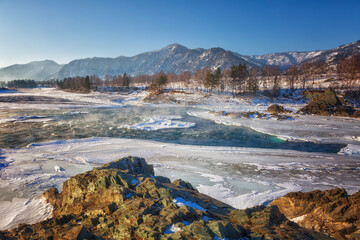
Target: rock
{"points": [[331, 211], [50, 196], [326, 103], [131, 165], [184, 184], [277, 109], [317, 107], [79, 232], [331, 98], [328, 96], [356, 114], [123, 200]]}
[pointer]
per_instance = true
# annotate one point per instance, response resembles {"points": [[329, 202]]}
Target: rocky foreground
{"points": [[124, 200]]}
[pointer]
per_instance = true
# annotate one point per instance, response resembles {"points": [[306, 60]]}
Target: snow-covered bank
{"points": [[49, 98], [241, 177]]}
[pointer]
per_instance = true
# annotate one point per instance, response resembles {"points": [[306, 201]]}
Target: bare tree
{"points": [[292, 74]]}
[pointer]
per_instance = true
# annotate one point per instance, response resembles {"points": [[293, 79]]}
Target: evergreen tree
{"points": [[159, 83], [217, 77], [210, 81], [125, 81], [87, 83]]}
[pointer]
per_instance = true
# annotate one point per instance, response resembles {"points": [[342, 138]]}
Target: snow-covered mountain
{"points": [[173, 58], [38, 70], [286, 59]]}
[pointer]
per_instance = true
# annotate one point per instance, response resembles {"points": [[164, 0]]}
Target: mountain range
{"points": [[173, 58]]}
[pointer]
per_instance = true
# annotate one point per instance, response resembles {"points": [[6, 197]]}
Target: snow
{"points": [[134, 181], [350, 150], [180, 201], [172, 229], [74, 100], [206, 218], [298, 219], [7, 91], [21, 210], [59, 169], [161, 122]]}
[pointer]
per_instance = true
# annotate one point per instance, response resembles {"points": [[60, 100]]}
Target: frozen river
{"points": [[42, 146]]}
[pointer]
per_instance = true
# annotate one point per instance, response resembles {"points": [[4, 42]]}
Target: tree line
{"points": [[238, 79], [26, 83]]}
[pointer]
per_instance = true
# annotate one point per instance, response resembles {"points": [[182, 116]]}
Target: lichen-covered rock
{"points": [[332, 211], [123, 200], [326, 103]]}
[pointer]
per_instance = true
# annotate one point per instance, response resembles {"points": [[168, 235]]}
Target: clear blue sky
{"points": [[66, 30]]}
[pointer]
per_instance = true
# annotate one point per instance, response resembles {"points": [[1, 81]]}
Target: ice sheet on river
{"points": [[303, 128], [241, 177], [161, 122]]}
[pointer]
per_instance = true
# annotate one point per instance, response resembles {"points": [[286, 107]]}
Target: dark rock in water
{"points": [[123, 200], [332, 211], [277, 109]]}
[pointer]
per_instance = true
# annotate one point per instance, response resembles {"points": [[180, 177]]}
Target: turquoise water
{"points": [[112, 122]]}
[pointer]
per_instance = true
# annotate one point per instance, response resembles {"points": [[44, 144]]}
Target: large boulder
{"points": [[124, 200], [326, 103], [331, 211]]}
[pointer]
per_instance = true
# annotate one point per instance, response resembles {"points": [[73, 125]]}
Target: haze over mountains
{"points": [[173, 58]]}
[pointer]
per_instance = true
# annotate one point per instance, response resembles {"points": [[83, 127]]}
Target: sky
{"points": [[71, 29]]}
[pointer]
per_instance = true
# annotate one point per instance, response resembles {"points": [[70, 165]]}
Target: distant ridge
{"points": [[37, 70], [173, 58]]}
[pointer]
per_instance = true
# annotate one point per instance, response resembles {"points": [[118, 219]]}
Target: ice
{"points": [[26, 119], [180, 201], [74, 113], [161, 122], [21, 210], [301, 128], [350, 150], [257, 175], [217, 191], [212, 177]]}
